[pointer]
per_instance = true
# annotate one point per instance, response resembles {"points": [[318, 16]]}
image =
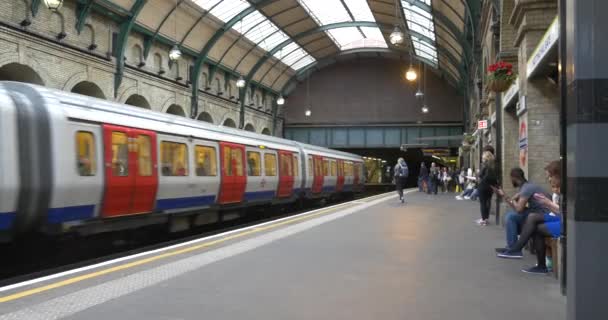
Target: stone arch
{"points": [[158, 63], [249, 127], [57, 23], [229, 123], [177, 110], [218, 87], [204, 116], [88, 34], [258, 102], [136, 56], [20, 73], [88, 89], [203, 84], [229, 90], [23, 6], [138, 101], [266, 131]]}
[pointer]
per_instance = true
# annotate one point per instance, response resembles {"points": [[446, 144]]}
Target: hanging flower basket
{"points": [[465, 148], [468, 140], [500, 76]]}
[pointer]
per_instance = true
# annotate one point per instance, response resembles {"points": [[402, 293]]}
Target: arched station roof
{"points": [[269, 42]]}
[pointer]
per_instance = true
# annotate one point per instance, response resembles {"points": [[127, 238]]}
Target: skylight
{"points": [[333, 11], [258, 29], [420, 22]]}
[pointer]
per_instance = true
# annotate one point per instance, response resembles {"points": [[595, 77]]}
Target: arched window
{"points": [[229, 123], [176, 110], [88, 89], [204, 116], [21, 73], [138, 101]]}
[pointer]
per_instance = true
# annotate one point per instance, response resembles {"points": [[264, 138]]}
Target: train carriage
{"points": [[72, 162]]}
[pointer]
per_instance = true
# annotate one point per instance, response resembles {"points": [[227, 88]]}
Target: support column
{"points": [[587, 129]]}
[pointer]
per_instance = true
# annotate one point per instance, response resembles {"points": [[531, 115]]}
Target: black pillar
{"points": [[587, 150], [498, 150]]}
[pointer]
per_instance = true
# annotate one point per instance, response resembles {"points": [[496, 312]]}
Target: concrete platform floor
{"points": [[379, 260]]}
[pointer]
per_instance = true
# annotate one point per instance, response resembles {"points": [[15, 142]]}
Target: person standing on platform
{"points": [[423, 178], [487, 180], [433, 178], [401, 174]]}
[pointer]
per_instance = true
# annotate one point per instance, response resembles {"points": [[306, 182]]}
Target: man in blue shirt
{"points": [[521, 205]]}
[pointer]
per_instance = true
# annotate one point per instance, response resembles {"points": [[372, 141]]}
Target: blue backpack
{"points": [[402, 170]]}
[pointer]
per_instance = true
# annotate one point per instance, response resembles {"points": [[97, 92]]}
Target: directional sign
{"points": [[482, 124]]}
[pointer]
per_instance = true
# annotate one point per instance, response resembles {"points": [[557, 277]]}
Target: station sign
{"points": [[508, 96], [482, 124], [548, 42]]}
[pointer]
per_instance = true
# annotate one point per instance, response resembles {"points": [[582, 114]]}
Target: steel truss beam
{"points": [[121, 43]]}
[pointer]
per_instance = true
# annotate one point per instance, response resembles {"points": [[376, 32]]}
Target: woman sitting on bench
{"points": [[539, 226]]}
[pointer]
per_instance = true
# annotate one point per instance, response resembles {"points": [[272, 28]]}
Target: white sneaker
{"points": [[459, 198], [467, 198]]}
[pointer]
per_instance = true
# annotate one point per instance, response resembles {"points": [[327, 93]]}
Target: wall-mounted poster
{"points": [[523, 142]]}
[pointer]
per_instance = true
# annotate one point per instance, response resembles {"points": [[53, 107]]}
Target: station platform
{"points": [[372, 258]]}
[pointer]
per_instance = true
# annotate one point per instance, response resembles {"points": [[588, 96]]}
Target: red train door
{"points": [[234, 181], [131, 178], [146, 175], [317, 182], [356, 173], [340, 180], [285, 174]]}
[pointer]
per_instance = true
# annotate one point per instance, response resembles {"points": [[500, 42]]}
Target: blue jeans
{"points": [[513, 223]]}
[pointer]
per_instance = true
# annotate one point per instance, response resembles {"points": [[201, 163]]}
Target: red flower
{"points": [[509, 73]]}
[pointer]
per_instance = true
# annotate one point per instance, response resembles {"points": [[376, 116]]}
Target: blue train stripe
{"points": [[329, 189], [59, 215], [259, 195], [178, 203], [347, 187], [6, 220]]}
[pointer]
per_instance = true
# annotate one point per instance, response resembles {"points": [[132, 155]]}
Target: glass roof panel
{"points": [[257, 28], [303, 63], [333, 11], [420, 21]]}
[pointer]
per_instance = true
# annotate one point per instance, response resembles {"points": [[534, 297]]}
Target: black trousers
{"points": [[485, 201], [400, 182]]}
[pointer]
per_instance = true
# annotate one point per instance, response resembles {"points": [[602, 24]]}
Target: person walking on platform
{"points": [[487, 180], [433, 178], [401, 173], [423, 178]]}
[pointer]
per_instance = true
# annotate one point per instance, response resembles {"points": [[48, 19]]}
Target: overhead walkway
{"points": [[368, 259]]}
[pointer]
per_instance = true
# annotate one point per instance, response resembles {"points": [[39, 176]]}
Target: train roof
{"points": [[92, 109]]}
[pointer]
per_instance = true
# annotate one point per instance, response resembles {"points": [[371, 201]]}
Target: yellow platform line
{"points": [[96, 274]]}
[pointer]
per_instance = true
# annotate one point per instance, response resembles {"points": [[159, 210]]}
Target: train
{"points": [[77, 164]]}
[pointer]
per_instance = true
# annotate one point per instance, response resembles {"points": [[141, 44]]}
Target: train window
{"points": [[286, 164], [174, 159], [310, 167], [237, 162], [318, 167], [205, 159], [254, 164], [296, 166], [348, 169], [270, 164], [334, 168], [227, 161], [326, 167], [85, 153], [144, 156], [120, 154]]}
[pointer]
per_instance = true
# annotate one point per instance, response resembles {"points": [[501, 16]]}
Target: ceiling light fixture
{"points": [[53, 5], [240, 83], [396, 37], [411, 74], [175, 53], [281, 100]]}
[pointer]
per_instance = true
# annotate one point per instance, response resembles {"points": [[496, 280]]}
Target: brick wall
{"points": [[37, 47]]}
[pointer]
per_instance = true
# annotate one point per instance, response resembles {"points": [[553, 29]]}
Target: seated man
{"points": [[516, 217]]}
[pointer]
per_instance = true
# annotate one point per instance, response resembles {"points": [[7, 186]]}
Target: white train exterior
{"points": [[75, 163]]}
